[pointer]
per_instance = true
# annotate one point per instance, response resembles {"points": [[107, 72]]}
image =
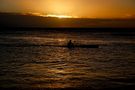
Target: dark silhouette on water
{"points": [[70, 44]]}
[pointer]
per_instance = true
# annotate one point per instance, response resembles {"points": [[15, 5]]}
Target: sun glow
{"points": [[60, 16]]}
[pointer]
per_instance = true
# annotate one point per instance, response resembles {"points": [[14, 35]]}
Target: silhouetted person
{"points": [[70, 44]]}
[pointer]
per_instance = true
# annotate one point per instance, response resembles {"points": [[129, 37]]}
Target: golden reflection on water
{"points": [[57, 67], [63, 72], [51, 73]]}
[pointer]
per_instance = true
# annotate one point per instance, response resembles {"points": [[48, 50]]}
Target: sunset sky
{"points": [[80, 8]]}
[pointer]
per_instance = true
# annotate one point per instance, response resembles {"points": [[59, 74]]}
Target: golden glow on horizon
{"points": [[50, 15], [60, 16]]}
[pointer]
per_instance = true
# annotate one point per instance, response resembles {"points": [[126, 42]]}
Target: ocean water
{"points": [[33, 59]]}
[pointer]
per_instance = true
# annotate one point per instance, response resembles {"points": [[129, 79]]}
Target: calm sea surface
{"points": [[33, 59]]}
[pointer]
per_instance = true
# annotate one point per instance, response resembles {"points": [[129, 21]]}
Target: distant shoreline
{"points": [[102, 29], [30, 21], [130, 87]]}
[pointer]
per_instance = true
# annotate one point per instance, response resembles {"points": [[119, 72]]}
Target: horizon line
{"points": [[60, 16]]}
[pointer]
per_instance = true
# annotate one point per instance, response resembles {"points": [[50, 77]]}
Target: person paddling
{"points": [[70, 44]]}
